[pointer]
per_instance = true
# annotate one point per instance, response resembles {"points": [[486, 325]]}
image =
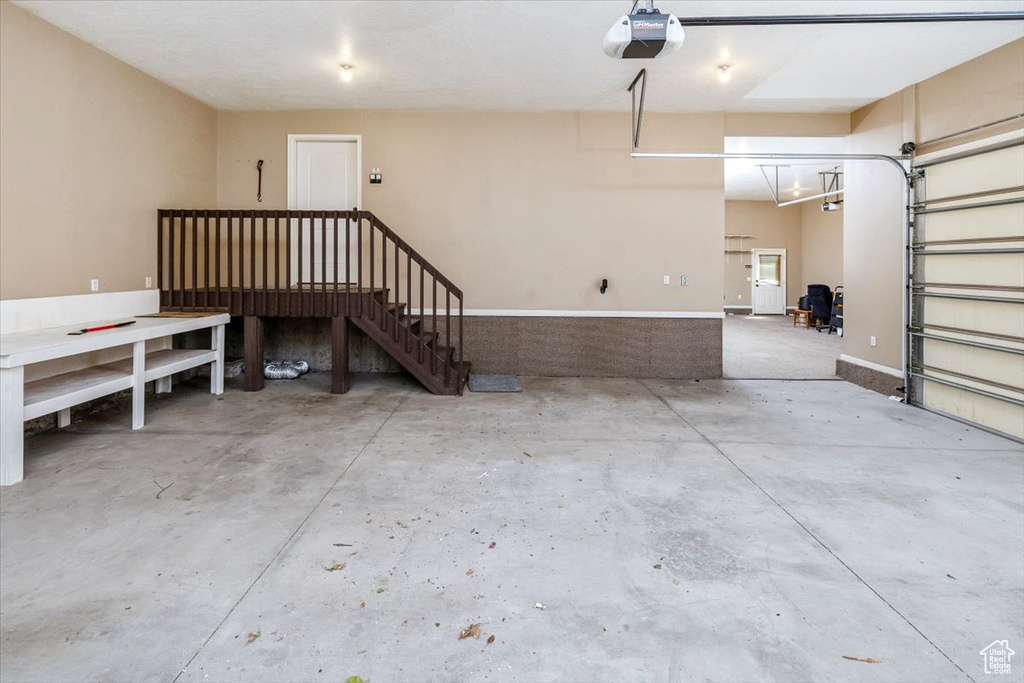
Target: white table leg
{"points": [[217, 371], [138, 384], [63, 418], [12, 425]]}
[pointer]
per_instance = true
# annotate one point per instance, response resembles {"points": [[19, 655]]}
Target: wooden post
{"points": [[339, 354], [217, 367], [12, 424], [139, 383], [253, 340]]}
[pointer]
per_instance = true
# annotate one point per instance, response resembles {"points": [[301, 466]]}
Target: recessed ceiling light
{"points": [[346, 72], [723, 73]]}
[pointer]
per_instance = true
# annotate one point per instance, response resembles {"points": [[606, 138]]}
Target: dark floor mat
{"points": [[494, 384]]}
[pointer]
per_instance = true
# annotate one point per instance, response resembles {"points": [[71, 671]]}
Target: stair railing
{"points": [[289, 263]]}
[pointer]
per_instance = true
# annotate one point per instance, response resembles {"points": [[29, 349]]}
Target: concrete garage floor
{"points": [[673, 530], [771, 347]]}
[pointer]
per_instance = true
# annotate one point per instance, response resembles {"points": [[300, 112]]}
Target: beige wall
{"points": [[773, 228], [976, 92], [985, 89], [821, 245], [787, 125], [89, 149], [522, 211]]}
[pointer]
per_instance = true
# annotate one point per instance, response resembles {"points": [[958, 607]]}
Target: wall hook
{"points": [[259, 182], [604, 285]]}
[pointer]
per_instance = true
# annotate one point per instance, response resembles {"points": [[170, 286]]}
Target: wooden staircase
{"points": [[272, 263]]}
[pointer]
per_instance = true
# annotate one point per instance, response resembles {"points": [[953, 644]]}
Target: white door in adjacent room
{"points": [[323, 174], [768, 284]]}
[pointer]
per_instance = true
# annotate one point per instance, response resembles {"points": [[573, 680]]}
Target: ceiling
{"points": [[744, 179], [519, 55]]}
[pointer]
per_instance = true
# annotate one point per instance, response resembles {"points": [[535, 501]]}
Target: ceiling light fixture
{"points": [[346, 72], [723, 73]]}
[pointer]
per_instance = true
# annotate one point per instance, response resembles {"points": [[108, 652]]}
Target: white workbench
{"points": [[20, 401]]}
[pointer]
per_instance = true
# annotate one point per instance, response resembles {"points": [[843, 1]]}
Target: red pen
{"points": [[103, 327]]}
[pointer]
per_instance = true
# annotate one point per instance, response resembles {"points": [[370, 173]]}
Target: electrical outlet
{"points": [[739, 297], [683, 280], [94, 285], [874, 341], [149, 282], [667, 280]]}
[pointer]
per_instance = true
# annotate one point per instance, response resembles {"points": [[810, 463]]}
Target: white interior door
{"points": [[768, 284], [323, 175]]}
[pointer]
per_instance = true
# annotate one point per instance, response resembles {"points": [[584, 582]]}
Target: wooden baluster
{"points": [[348, 263], [195, 257], [359, 258], [252, 263], [241, 261], [181, 264], [447, 333], [300, 253], [312, 267], [323, 262], [384, 275], [334, 267], [160, 254], [288, 264], [216, 259], [408, 299], [398, 292], [206, 259], [277, 263], [231, 260], [264, 306], [458, 366], [433, 313], [423, 323], [372, 240]]}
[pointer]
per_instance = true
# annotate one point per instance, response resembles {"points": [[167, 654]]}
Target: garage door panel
{"points": [[994, 270], [997, 370], [990, 221], [967, 308], [1002, 168], [983, 316], [988, 412]]}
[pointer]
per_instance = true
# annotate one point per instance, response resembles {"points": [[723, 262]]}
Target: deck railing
{"points": [[309, 264]]}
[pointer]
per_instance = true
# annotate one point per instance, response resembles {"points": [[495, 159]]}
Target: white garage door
{"points": [[967, 296]]}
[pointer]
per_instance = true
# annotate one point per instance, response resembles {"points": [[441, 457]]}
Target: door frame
{"points": [[293, 158], [754, 253]]}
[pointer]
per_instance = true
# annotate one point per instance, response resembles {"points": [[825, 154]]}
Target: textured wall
{"points": [[676, 348], [882, 382]]}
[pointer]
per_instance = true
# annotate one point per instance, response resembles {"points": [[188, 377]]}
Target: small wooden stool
{"points": [[801, 317]]}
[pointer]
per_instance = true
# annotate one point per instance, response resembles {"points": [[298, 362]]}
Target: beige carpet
{"points": [[770, 347]]}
